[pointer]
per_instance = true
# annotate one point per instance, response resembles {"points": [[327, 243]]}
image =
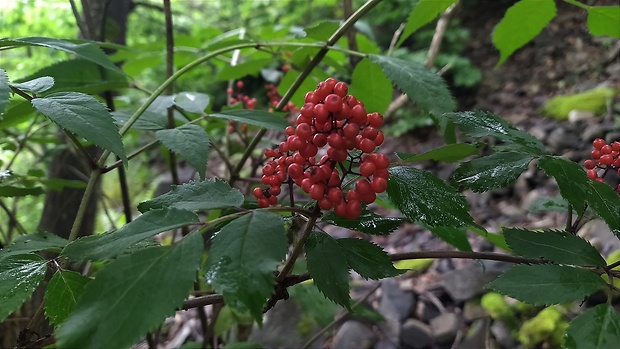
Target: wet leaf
{"points": [[62, 294], [196, 195], [19, 276], [328, 267], [494, 171]]}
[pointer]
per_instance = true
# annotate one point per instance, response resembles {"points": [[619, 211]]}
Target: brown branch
{"points": [[466, 255]]}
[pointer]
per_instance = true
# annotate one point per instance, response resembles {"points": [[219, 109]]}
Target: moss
{"points": [[594, 100], [495, 304], [546, 326]]}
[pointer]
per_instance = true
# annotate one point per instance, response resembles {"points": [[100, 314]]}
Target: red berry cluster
{"points": [[604, 157], [338, 124], [275, 98], [234, 98]]}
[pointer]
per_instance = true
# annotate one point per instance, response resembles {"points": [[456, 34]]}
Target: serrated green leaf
{"points": [[19, 276], [18, 111], [328, 267], [39, 241], [5, 92], [548, 203], [369, 84], [132, 295], [191, 142], [85, 50], [9, 191], [368, 222], [62, 293], [423, 12], [367, 259], [604, 20], [147, 121], [321, 31], [456, 237], [36, 86], [494, 171], [423, 197], [545, 284], [234, 72], [289, 78], [605, 203], [260, 118], [553, 245], [571, 179], [446, 153], [312, 301], [427, 89], [192, 196], [496, 239], [192, 102], [243, 258], [111, 244], [521, 23], [596, 328], [85, 116], [480, 124]]}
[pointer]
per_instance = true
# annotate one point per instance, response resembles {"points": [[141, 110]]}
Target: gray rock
{"points": [[354, 335], [386, 344], [280, 328], [466, 283], [395, 303], [445, 327], [502, 335], [477, 335], [600, 236], [472, 310], [416, 334]]}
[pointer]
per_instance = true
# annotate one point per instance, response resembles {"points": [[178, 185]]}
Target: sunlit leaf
{"points": [[19, 276], [494, 171], [192, 102], [423, 12], [36, 86], [370, 85], [446, 153], [604, 20], [191, 142], [39, 241], [260, 118]]}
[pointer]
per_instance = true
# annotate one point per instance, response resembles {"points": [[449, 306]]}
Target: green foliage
{"points": [[368, 222], [193, 196], [108, 245], [85, 116], [425, 198], [370, 85], [596, 328], [192, 102], [423, 12], [497, 307], [455, 236], [605, 203], [604, 20], [328, 267], [243, 258], [20, 275], [446, 153], [570, 177], [521, 23], [258, 118], [62, 294], [594, 100], [546, 284], [189, 141], [36, 86], [39, 241], [493, 171], [556, 246], [543, 326], [121, 303], [367, 259]]}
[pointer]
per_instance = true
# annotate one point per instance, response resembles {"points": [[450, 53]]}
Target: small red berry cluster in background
{"points": [[234, 98], [604, 157], [338, 123], [275, 98]]}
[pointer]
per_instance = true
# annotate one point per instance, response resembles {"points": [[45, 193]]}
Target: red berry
{"points": [[367, 168], [337, 155], [334, 195], [311, 97], [273, 200], [321, 113], [351, 130], [595, 154], [341, 89], [363, 188], [304, 131], [336, 141], [340, 209], [606, 159], [378, 184], [354, 209], [375, 119], [333, 102], [317, 191], [319, 139], [309, 151], [380, 138], [325, 204], [258, 193], [240, 84], [606, 149], [370, 133], [263, 202], [295, 170], [275, 190], [358, 115], [367, 145], [589, 164], [598, 143], [615, 146], [592, 174]]}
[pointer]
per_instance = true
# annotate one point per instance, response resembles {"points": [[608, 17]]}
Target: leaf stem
{"points": [[88, 193]]}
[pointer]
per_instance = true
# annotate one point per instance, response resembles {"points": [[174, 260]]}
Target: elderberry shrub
{"points": [[338, 123], [605, 157]]}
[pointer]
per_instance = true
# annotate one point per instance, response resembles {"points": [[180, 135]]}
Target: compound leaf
{"points": [[425, 88], [258, 118], [367, 259], [132, 295], [192, 196], [37, 85], [546, 284], [328, 267], [63, 292], [38, 241], [368, 222], [480, 124], [596, 328], [370, 85], [85, 116], [19, 276], [191, 142], [423, 12], [604, 20], [423, 197], [553, 245], [243, 258], [111, 244], [521, 23], [605, 203], [446, 153], [192, 102], [571, 179], [493, 171]]}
